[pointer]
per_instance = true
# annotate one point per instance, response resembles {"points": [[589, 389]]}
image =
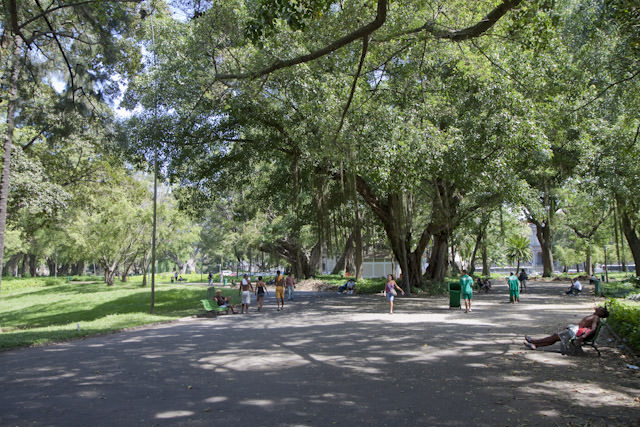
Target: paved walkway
{"points": [[329, 360]]}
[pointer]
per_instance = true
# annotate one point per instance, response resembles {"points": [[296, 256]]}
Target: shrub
{"points": [[624, 318], [52, 282]]}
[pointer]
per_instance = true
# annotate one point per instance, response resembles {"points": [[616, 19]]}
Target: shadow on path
{"points": [[329, 359]]}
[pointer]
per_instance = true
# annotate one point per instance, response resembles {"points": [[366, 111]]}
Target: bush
{"points": [[617, 289], [624, 318], [52, 282]]}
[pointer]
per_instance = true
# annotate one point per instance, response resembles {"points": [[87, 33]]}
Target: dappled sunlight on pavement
{"points": [[330, 359]]}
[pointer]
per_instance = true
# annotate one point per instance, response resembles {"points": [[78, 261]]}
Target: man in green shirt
{"points": [[514, 288], [466, 288]]}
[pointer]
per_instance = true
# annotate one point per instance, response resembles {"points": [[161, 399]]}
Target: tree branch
{"points": [[45, 12], [606, 89], [381, 16], [64, 55], [365, 45], [466, 33]]}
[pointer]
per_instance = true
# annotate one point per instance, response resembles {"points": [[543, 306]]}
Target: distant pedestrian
{"points": [[210, 278], [289, 284], [466, 289], [261, 289], [245, 293], [514, 286], [175, 274], [523, 280], [279, 281], [390, 291]]}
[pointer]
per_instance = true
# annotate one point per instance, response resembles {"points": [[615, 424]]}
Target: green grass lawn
{"points": [[42, 310]]}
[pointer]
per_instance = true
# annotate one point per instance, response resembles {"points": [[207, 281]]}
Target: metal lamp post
{"points": [[606, 270]]}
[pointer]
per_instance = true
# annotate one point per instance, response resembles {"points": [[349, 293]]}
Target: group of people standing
{"points": [[284, 286], [516, 285]]}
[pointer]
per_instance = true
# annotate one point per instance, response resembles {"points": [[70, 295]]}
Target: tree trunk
{"points": [[437, 269], [486, 268], [545, 238], [347, 253], [588, 265], [109, 276], [357, 238], [472, 262], [632, 238], [315, 261], [12, 96], [32, 265], [12, 264]]}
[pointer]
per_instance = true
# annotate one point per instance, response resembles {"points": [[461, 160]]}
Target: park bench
{"points": [[591, 340], [212, 307]]}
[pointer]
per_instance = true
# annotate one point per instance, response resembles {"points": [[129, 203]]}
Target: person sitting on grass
{"points": [[575, 288], [224, 302], [346, 285], [351, 287], [582, 331]]}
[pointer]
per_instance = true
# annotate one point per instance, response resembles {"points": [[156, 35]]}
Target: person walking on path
{"points": [[210, 278], [279, 281], [290, 284], [523, 280], [261, 289], [390, 291], [245, 292], [466, 288], [514, 286]]}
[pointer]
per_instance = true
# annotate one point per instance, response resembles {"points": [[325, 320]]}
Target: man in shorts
{"points": [[224, 302], [582, 331], [279, 281], [289, 284], [466, 288], [245, 292]]}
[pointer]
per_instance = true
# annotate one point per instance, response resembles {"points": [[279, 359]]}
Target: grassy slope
{"points": [[37, 311]]}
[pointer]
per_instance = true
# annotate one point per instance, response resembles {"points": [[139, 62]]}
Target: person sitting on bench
{"points": [[224, 302], [582, 331], [575, 288]]}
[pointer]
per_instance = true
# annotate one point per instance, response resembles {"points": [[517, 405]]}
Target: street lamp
{"points": [[606, 270]]}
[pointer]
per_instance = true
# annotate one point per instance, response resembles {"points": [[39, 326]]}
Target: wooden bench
{"points": [[213, 307]]}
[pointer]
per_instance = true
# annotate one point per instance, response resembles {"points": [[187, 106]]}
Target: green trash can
{"points": [[598, 291], [226, 282], [454, 294]]}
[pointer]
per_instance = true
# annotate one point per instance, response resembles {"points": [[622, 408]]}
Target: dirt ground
{"points": [[331, 359]]}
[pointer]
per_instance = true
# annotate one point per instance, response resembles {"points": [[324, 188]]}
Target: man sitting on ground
{"points": [[485, 285], [224, 302], [346, 285], [582, 331], [575, 288]]}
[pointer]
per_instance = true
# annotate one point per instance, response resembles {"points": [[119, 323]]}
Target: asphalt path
{"points": [[333, 360]]}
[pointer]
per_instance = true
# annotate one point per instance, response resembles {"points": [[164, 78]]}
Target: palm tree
{"points": [[518, 249]]}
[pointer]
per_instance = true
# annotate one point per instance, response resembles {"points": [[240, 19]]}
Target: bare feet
{"points": [[531, 346]]}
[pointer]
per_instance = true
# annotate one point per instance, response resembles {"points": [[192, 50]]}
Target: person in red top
{"points": [[585, 328]]}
